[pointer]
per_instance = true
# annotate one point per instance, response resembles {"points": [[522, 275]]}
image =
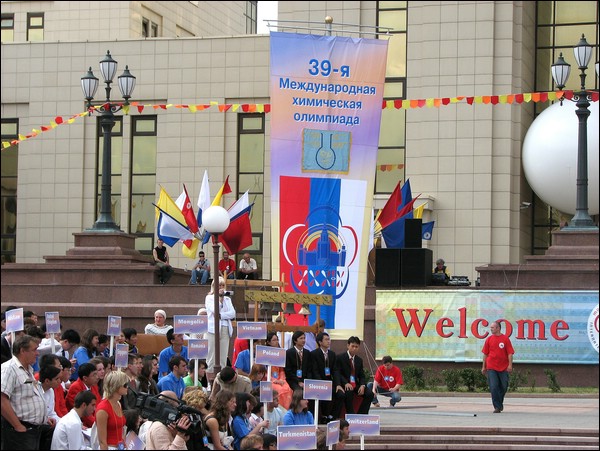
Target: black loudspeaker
{"points": [[413, 233], [416, 267], [387, 267]]}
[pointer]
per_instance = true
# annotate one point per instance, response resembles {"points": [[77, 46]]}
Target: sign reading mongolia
{"points": [[559, 327], [190, 324], [326, 97]]}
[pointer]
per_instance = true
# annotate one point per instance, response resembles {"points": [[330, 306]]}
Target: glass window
{"points": [[251, 157], [392, 137], [559, 28], [251, 17], [9, 162], [35, 27], [8, 27], [143, 181]]}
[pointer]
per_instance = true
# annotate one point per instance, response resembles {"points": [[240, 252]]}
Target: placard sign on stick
{"points": [[190, 324], [333, 433], [266, 391], [252, 330], [363, 424], [14, 320], [114, 326], [317, 389], [121, 355], [52, 323], [197, 349], [268, 355], [296, 437]]}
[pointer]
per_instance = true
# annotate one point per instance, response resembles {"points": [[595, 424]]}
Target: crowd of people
{"points": [[66, 393]]}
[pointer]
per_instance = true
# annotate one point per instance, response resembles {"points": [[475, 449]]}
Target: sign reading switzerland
{"points": [[326, 96]]}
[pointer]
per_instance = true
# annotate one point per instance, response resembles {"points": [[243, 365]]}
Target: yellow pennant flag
{"points": [[418, 212], [168, 205], [225, 189]]}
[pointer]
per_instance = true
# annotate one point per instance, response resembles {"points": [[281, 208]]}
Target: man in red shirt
{"points": [[227, 266], [88, 380], [388, 379], [497, 364]]}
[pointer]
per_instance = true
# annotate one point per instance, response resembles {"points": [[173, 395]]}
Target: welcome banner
{"points": [[452, 325], [326, 97]]}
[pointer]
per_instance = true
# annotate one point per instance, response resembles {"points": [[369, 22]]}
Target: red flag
{"points": [[389, 212], [238, 235], [226, 187], [185, 205]]}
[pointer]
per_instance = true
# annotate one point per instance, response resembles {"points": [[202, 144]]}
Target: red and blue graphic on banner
{"points": [[320, 244]]}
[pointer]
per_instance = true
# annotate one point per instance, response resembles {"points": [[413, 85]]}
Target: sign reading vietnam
{"points": [[326, 96]]}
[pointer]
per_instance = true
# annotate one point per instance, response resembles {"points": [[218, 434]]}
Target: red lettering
{"points": [[557, 326], [462, 313], [475, 328], [414, 320], [439, 328], [530, 325]]}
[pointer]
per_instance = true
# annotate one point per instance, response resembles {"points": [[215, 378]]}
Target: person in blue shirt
{"points": [[87, 350], [298, 414], [176, 348], [240, 426], [242, 363], [174, 380]]}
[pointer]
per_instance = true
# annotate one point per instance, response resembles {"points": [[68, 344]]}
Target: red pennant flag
{"points": [[519, 98], [238, 235], [267, 107], [445, 100], [398, 103], [494, 100], [58, 120], [140, 108], [245, 108], [470, 100]]}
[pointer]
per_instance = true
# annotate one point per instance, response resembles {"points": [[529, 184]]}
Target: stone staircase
{"points": [[462, 438]]}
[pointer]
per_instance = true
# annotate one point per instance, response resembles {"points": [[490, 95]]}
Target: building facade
{"points": [[193, 59]]}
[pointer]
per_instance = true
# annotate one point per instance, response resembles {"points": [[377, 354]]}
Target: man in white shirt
{"points": [[68, 432], [248, 268], [50, 377]]}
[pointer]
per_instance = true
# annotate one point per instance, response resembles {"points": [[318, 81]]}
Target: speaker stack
{"points": [[407, 267]]}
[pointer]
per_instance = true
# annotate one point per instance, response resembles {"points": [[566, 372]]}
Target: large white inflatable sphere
{"points": [[550, 156]]}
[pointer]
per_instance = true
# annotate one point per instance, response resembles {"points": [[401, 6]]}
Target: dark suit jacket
{"points": [[6, 354], [291, 366], [344, 369], [318, 366]]}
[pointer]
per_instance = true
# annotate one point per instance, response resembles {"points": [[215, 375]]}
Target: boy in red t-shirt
{"points": [[388, 379]]}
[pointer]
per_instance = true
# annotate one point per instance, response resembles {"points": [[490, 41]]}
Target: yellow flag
{"points": [[191, 252], [418, 212], [166, 204]]}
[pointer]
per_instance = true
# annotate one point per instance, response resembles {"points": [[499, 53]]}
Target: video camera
{"points": [[158, 408]]}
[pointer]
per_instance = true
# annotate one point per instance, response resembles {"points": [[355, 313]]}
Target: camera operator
{"points": [[172, 436]]}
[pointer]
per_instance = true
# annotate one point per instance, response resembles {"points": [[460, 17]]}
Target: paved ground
{"points": [[520, 411]]}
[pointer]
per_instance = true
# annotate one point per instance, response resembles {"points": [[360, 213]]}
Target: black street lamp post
{"points": [[89, 84], [560, 74]]}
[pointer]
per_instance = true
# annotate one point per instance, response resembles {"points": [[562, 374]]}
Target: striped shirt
{"points": [[24, 391]]}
